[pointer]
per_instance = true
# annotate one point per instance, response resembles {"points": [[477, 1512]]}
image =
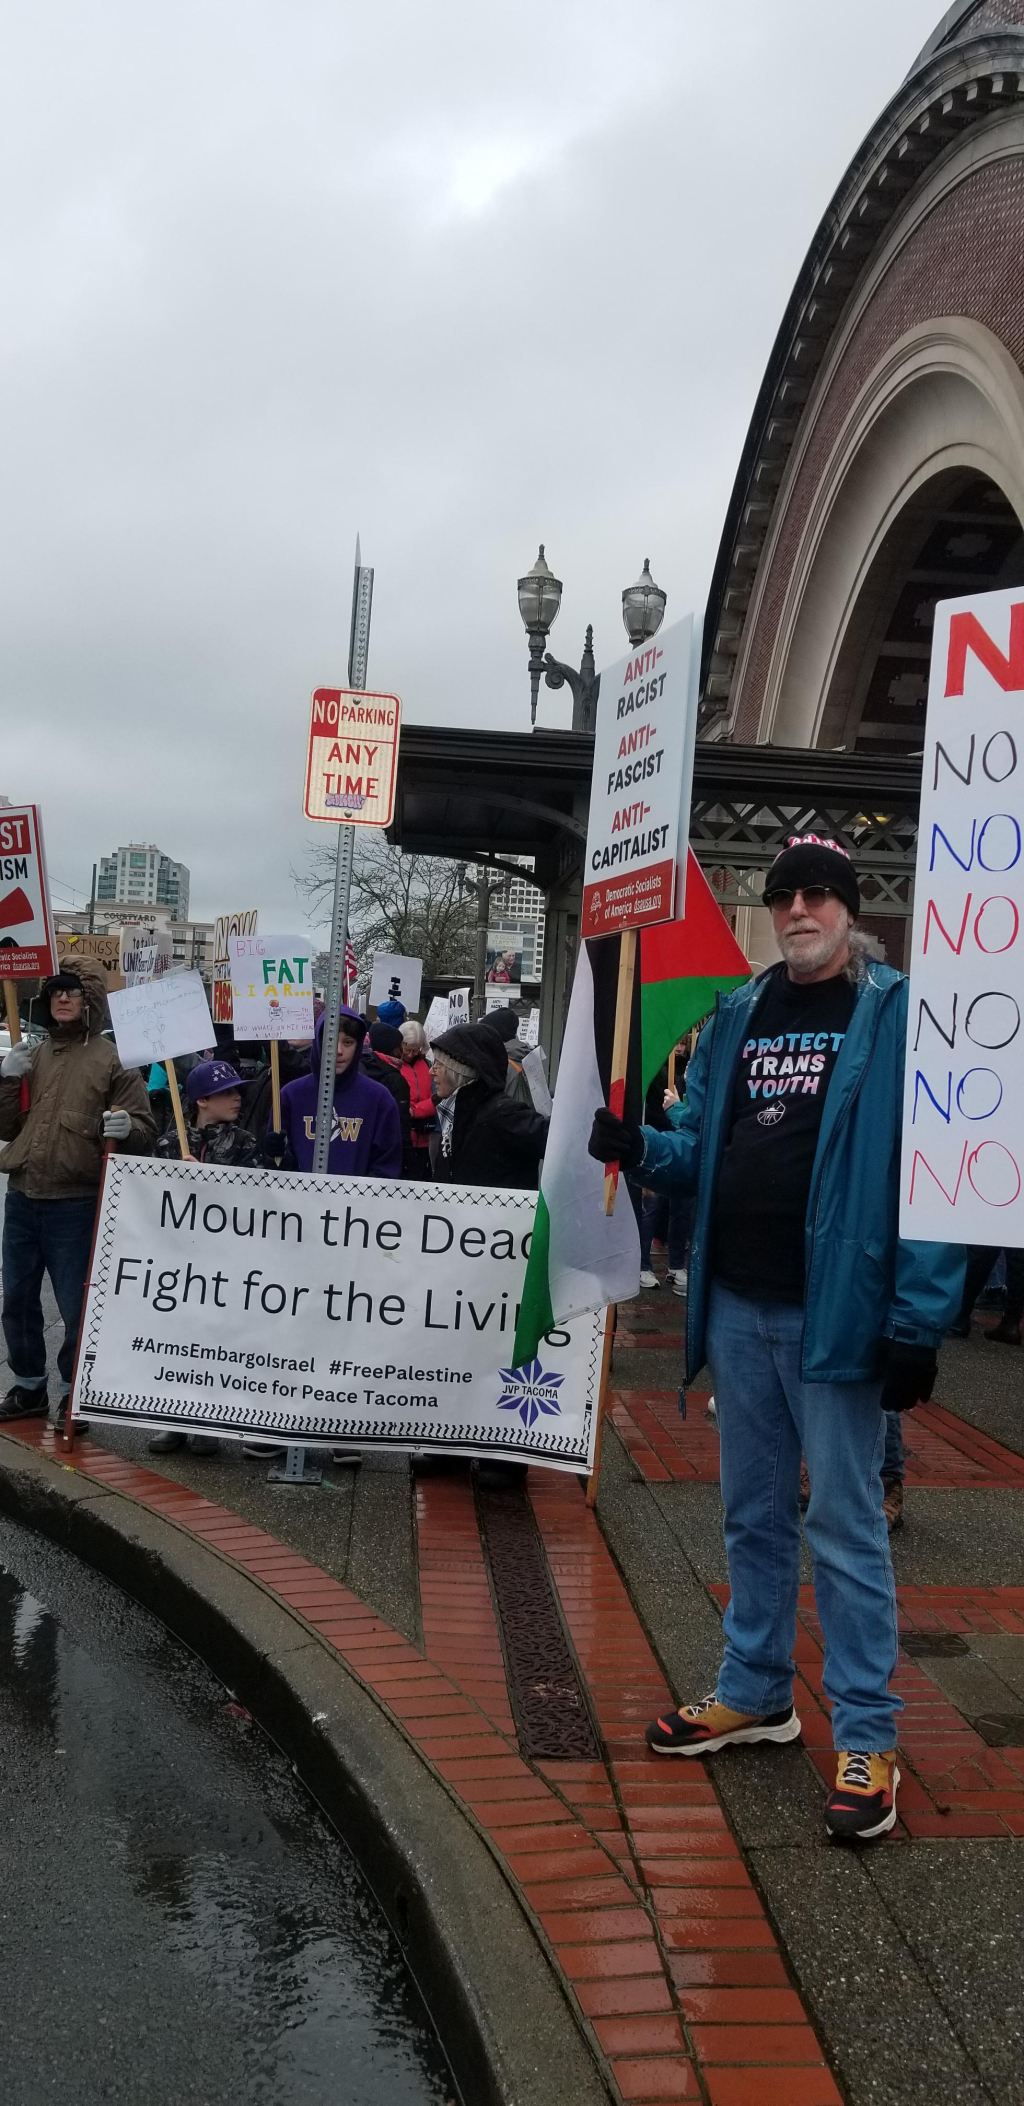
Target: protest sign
{"points": [[138, 956], [352, 756], [26, 925], [104, 951], [963, 1115], [271, 987], [395, 979], [165, 1017], [458, 1006], [297, 1309], [532, 1033], [436, 1019], [635, 863], [228, 925]]}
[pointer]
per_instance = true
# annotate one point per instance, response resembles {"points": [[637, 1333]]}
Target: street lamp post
{"points": [[540, 596]]}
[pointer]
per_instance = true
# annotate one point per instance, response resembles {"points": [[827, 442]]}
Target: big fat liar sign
{"points": [[27, 945], [352, 759], [963, 1119], [635, 868]]}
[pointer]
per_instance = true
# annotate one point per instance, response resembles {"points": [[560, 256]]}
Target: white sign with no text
{"points": [[162, 1019], [963, 1113], [271, 987], [327, 1308]]}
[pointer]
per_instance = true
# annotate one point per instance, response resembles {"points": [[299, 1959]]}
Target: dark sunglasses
{"points": [[813, 896]]}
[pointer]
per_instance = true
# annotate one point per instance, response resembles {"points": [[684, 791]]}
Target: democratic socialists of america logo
{"points": [[529, 1391]]}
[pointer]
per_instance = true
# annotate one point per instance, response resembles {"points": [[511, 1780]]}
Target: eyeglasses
{"points": [[813, 896]]}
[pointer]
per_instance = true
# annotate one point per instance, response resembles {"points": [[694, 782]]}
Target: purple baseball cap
{"points": [[210, 1078]]}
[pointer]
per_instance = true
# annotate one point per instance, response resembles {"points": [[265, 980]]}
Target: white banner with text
{"points": [[264, 1303]]}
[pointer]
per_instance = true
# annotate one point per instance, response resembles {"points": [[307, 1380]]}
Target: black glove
{"points": [[273, 1149], [908, 1374], [615, 1140]]}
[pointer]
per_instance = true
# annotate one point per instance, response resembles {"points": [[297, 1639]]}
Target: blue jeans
{"points": [[892, 1460], [768, 1415], [669, 1216], [44, 1235]]}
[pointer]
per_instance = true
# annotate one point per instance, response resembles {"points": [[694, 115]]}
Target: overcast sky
{"points": [[457, 274]]}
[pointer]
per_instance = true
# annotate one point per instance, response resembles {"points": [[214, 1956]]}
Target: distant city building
{"points": [[140, 875], [521, 906], [181, 944]]}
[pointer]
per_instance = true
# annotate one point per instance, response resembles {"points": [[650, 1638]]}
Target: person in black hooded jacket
{"points": [[381, 1059], [483, 1137]]}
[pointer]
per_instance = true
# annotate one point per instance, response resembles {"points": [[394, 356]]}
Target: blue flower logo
{"points": [[529, 1391]]}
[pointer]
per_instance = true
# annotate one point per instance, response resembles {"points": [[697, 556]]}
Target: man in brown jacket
{"points": [[59, 1103]]}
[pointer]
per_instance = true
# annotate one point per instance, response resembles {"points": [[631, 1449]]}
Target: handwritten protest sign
{"points": [[436, 1019], [271, 987], [161, 1019], [963, 1119], [252, 1302]]}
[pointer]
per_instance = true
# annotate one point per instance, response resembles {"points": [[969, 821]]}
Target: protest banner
{"points": [[301, 1308], [226, 926], [271, 987], [157, 1021], [27, 945], [137, 957], [395, 979], [638, 829], [104, 951], [963, 1114], [458, 1006], [436, 1019]]}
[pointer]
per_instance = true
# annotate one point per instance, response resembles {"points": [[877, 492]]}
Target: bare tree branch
{"points": [[415, 906]]}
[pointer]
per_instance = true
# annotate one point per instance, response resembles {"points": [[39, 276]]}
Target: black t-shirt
{"points": [[784, 1071]]}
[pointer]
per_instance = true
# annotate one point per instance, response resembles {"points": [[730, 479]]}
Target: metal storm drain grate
{"points": [[548, 1698], [933, 1645], [1001, 1729]]}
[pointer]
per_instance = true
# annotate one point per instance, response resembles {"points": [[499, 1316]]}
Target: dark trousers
{"points": [[44, 1235], [979, 1264], [669, 1216]]}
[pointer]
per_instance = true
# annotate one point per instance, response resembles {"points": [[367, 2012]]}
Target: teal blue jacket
{"points": [[864, 1283]]}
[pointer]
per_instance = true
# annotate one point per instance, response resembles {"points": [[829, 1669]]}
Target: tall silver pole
{"points": [[295, 1469], [358, 654]]}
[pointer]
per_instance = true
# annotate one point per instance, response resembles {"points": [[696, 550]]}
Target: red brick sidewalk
{"points": [[941, 1450], [627, 1866]]}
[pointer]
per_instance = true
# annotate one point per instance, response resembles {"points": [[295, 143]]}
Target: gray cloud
{"points": [[460, 277]]}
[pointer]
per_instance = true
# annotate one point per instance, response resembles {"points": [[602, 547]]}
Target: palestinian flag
{"points": [[581, 1258], [684, 965]]}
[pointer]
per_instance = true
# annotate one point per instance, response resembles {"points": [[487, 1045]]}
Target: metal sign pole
{"points": [[296, 1470]]}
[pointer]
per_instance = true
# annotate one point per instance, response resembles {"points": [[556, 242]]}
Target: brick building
{"points": [[884, 465]]}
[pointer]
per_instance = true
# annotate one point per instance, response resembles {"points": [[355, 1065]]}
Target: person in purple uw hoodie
{"points": [[366, 1132]]}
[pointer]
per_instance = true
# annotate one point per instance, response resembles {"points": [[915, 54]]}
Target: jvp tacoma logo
{"points": [[530, 1392]]}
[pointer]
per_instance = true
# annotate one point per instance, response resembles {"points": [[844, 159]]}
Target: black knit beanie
{"points": [[814, 859]]}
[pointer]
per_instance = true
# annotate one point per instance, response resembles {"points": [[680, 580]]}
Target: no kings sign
{"points": [[323, 1309]]}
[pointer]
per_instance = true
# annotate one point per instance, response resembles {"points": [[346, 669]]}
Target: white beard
{"points": [[805, 953]]}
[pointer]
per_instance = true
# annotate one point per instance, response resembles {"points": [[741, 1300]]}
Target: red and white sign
{"points": [[963, 1109], [352, 763], [27, 944], [635, 867]]}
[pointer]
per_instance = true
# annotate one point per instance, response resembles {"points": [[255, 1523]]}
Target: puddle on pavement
{"points": [[982, 1674], [177, 1919]]}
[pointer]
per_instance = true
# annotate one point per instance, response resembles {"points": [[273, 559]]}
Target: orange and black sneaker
{"points": [[863, 1803], [701, 1729]]}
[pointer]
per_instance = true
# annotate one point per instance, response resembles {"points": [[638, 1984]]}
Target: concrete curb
{"points": [[504, 2021]]}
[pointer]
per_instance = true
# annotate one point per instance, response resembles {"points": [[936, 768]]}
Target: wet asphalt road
{"points": [[178, 1923]]}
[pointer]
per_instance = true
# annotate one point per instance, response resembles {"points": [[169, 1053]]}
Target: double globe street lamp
{"points": [[540, 596]]}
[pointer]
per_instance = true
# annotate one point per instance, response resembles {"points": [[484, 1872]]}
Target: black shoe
{"points": [[1005, 1333], [498, 1476], [961, 1328], [202, 1444], [22, 1403], [167, 1443]]}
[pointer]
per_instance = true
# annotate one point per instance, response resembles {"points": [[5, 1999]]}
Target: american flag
{"points": [[348, 983]]}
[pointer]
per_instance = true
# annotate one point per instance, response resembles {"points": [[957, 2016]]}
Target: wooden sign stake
{"points": [[11, 1007], [275, 1085], [620, 1049], [172, 1082], [672, 1069]]}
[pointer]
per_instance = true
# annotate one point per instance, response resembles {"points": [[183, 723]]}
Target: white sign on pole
{"points": [[500, 998], [326, 1308], [271, 987], [394, 979], [458, 1006], [352, 756], [532, 1027], [963, 1114], [139, 952], [162, 1019], [436, 1019], [27, 942], [635, 863]]}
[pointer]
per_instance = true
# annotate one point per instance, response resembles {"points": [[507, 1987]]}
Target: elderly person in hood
{"points": [[483, 1137], [60, 1101]]}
